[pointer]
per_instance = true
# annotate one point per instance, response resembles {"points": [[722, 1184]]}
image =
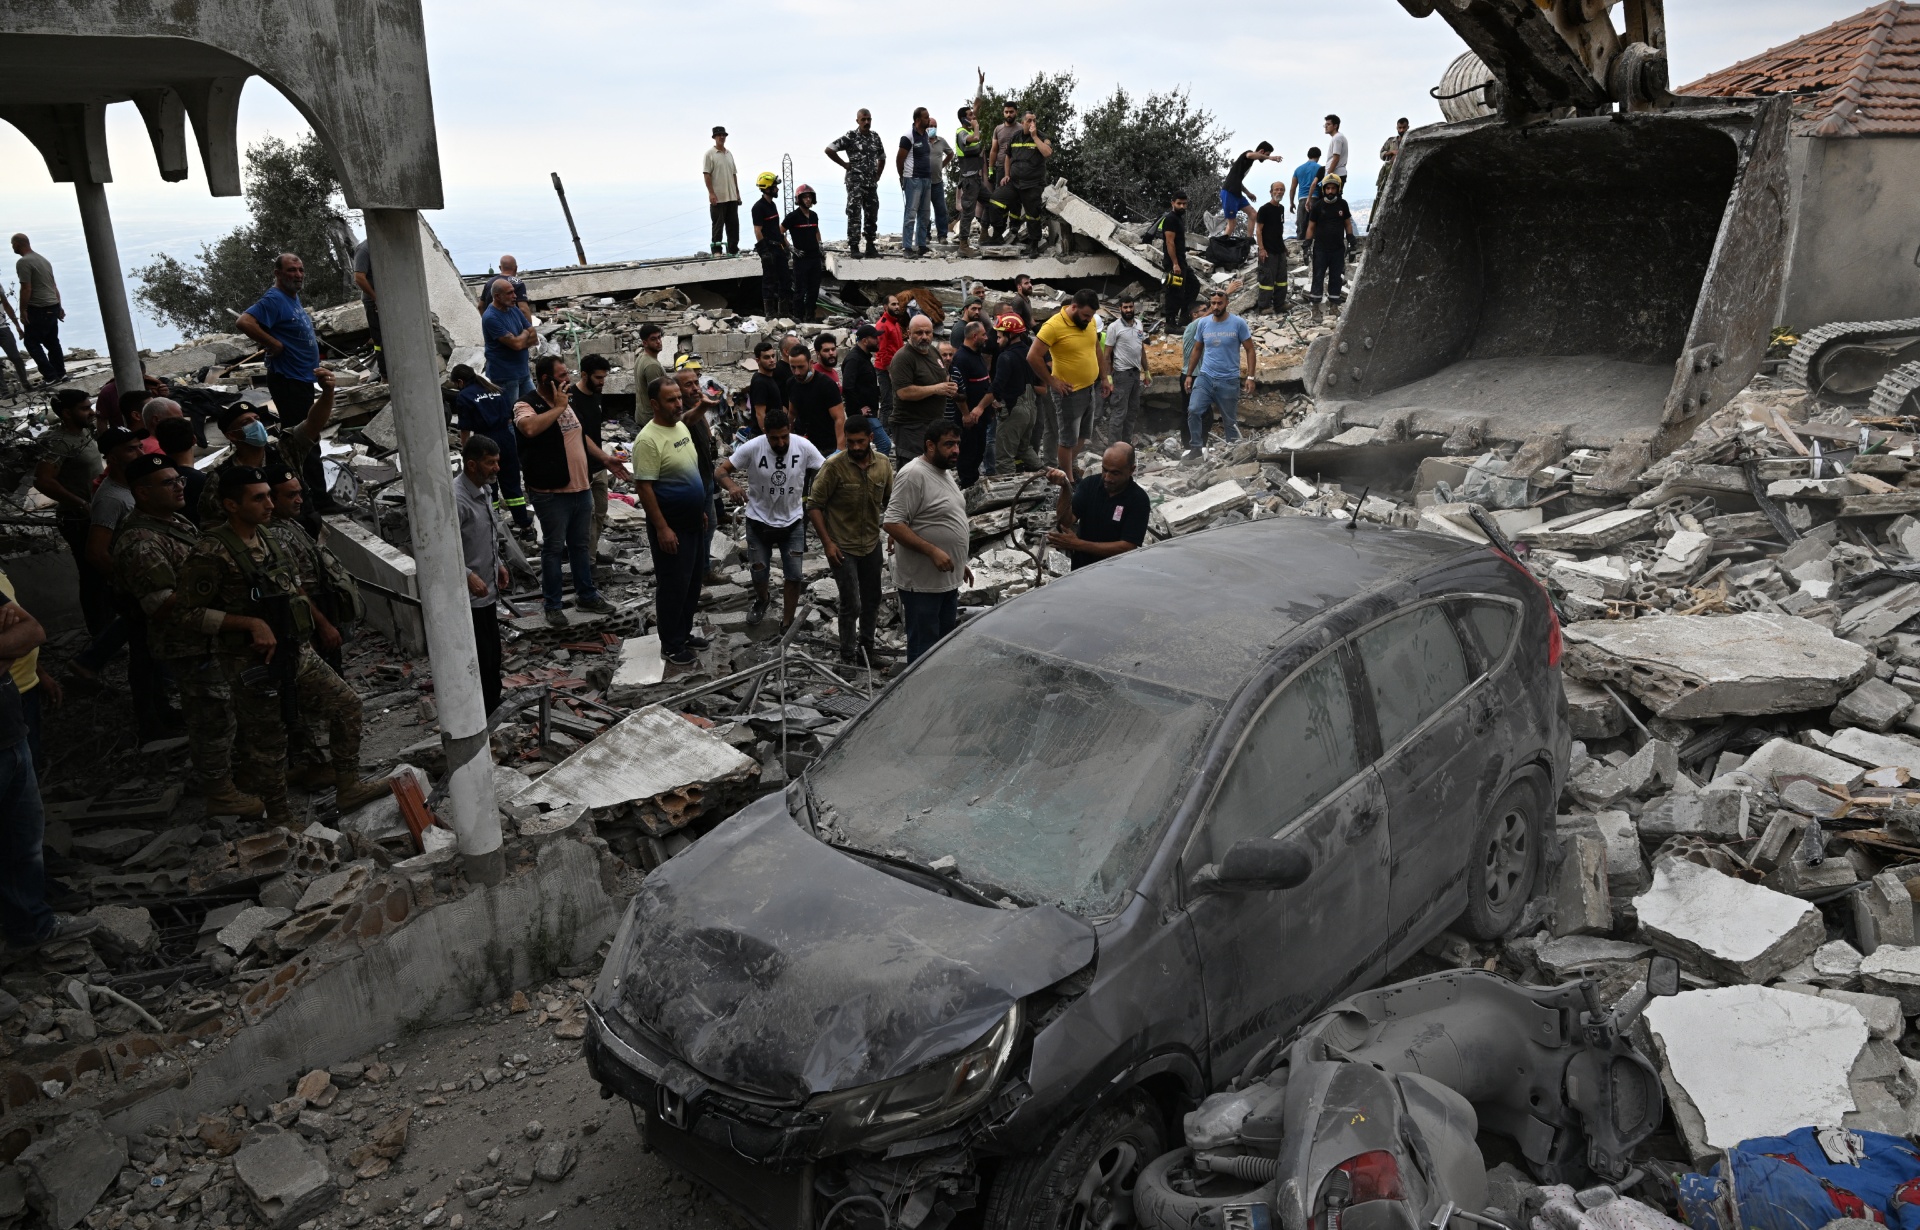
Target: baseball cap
{"points": [[114, 437], [865, 331]]}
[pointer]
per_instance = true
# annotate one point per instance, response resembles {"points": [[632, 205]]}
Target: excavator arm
{"points": [[1562, 58]]}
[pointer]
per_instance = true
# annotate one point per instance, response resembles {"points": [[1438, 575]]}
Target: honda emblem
{"points": [[673, 1108]]}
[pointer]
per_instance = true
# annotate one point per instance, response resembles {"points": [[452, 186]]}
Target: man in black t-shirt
{"points": [[803, 228], [1173, 243], [766, 391], [1270, 227], [975, 403], [814, 402], [588, 402], [1105, 514], [1234, 200], [1329, 224], [776, 282]]}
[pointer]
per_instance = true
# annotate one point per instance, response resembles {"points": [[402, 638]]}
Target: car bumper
{"points": [[705, 1146]]}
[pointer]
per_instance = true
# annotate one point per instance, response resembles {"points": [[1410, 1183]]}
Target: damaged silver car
{"points": [[1072, 870]]}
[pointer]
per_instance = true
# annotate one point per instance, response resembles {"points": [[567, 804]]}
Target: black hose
{"points": [[1253, 1169], [885, 1221]]}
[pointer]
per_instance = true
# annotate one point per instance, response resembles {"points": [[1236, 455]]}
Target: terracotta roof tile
{"points": [[1858, 76]]}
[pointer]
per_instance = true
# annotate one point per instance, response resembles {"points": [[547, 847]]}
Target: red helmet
{"points": [[805, 190]]}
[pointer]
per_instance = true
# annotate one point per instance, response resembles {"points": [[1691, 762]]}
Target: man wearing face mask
{"points": [[243, 427]]}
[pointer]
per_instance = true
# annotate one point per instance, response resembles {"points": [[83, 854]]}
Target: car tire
{"points": [[1086, 1178], [1503, 862], [1158, 1206]]}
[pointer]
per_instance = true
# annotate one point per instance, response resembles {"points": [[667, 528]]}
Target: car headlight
{"points": [[934, 1097]]}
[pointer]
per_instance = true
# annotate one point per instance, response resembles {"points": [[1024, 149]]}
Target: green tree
{"points": [[292, 197]]}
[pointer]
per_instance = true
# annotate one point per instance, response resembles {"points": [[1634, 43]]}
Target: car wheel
{"points": [[1086, 1180], [1161, 1200], [1503, 863]]}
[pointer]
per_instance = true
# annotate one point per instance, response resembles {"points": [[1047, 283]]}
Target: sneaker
{"points": [[697, 641], [65, 927], [681, 657], [556, 618], [757, 612], [1192, 454], [596, 604]]}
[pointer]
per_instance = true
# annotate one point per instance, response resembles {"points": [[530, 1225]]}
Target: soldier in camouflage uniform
{"points": [[336, 607], [865, 158], [148, 548], [244, 588]]}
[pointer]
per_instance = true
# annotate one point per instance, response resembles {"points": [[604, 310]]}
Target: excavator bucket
{"points": [[1609, 278]]}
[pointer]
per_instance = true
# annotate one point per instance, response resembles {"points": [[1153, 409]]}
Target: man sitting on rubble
{"points": [[776, 464], [241, 587], [1104, 514]]}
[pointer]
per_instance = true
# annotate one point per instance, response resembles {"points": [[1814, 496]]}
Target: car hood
{"points": [[772, 962]]}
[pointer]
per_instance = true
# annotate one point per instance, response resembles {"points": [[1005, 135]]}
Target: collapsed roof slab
{"points": [[914, 271], [626, 277]]}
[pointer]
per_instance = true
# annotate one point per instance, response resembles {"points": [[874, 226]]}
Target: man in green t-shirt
{"points": [[666, 469]]}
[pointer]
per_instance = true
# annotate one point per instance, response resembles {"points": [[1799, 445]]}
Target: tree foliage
{"points": [[292, 199], [1126, 155]]}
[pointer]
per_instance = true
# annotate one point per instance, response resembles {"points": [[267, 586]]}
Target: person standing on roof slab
{"points": [[859, 152], [1339, 160], [972, 145], [41, 311], [1270, 229], [770, 244], [1234, 200], [802, 227], [913, 165], [1104, 514], [723, 192]]}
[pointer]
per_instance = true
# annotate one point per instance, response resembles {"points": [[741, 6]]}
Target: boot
{"points": [[312, 775], [351, 793], [871, 250], [224, 799]]}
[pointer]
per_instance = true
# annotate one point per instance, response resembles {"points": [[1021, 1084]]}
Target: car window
{"points": [[1414, 666], [1489, 625], [1298, 749]]}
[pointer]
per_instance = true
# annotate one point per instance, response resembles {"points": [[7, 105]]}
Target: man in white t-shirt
{"points": [[1339, 159], [723, 192], [775, 464]]}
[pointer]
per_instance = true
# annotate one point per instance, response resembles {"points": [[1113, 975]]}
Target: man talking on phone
{"points": [[553, 456]]}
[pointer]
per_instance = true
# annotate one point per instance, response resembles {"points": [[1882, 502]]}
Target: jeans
{"points": [[938, 191], [913, 225], [486, 648], [857, 577], [1123, 406], [1330, 265], [1218, 392], [882, 442], [23, 869], [763, 540], [677, 576], [41, 330], [566, 523], [929, 617]]}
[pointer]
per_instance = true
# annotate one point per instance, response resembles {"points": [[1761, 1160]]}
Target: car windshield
{"points": [[1044, 779]]}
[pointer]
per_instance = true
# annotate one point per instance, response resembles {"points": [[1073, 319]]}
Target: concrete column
{"points": [[109, 287], [413, 371]]}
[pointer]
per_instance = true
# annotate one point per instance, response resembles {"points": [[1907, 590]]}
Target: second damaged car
{"points": [[1073, 869]]}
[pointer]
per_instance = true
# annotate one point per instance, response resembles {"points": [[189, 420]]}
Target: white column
{"points": [[109, 287], [413, 376]]}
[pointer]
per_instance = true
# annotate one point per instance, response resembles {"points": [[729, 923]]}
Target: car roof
{"points": [[1202, 612]]}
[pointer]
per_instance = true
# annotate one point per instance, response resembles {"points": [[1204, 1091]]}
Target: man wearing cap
{"points": [[281, 326], [723, 192], [860, 153], [802, 226], [253, 445], [770, 244], [240, 586], [153, 542], [860, 382]]}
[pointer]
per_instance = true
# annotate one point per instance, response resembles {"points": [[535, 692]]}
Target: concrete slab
{"points": [[1626, 865], [931, 270], [388, 582], [1591, 712], [1725, 929], [1893, 969], [1593, 530], [647, 754], [1880, 614], [1119, 238], [70, 1167], [571, 281], [1876, 751], [1779, 758], [1699, 666], [1597, 402], [286, 1178], [1740, 1062], [640, 666], [1191, 512], [1569, 956], [456, 310]]}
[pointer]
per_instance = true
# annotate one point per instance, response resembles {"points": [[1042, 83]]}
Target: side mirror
{"points": [[1663, 976], [1256, 865]]}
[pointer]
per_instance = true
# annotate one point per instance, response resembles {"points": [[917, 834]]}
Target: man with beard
{"points": [[1180, 284], [865, 157], [776, 279], [1126, 346], [802, 227], [921, 388], [845, 505], [927, 519], [813, 402]]}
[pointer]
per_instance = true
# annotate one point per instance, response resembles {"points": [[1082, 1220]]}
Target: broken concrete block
{"points": [[1810, 799], [1699, 666], [1592, 712], [286, 1178], [1575, 956], [1656, 764], [1876, 751], [556, 1160], [1836, 965], [1715, 812], [109, 845], [1598, 784], [1881, 1089], [1626, 866], [1884, 1016], [1682, 557], [130, 929], [1881, 614], [652, 756], [249, 925], [639, 667], [69, 1168], [1580, 885], [1883, 913], [1191, 512], [1746, 1061], [380, 820], [1778, 841], [1893, 970], [1725, 929], [1874, 705], [1599, 578], [1318, 426], [1595, 530], [1779, 758]]}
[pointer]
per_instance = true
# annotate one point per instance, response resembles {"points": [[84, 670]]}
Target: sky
{"points": [[619, 99]]}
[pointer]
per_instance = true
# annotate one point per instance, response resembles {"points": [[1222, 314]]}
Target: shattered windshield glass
{"points": [[1044, 779]]}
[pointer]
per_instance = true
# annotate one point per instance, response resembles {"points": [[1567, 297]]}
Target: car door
{"points": [[1270, 958], [1432, 708]]}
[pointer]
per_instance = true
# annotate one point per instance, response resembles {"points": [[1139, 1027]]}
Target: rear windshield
{"points": [[1044, 779]]}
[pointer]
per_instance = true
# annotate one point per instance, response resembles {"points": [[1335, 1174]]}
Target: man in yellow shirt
{"points": [[1079, 364], [37, 688]]}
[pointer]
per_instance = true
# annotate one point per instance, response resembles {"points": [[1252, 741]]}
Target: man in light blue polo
{"points": [[1214, 378]]}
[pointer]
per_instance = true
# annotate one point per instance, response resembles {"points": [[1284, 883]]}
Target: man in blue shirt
{"points": [[1300, 191], [479, 410], [1214, 376], [285, 332], [509, 335]]}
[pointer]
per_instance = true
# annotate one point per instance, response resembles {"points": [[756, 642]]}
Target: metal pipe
{"points": [[109, 286], [413, 369], [568, 210]]}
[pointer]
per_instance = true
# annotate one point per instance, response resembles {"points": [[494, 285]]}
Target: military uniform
{"points": [[291, 447], [327, 582], [1018, 200], [147, 555], [866, 160], [224, 575]]}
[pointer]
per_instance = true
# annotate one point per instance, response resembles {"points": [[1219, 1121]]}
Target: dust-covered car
{"points": [[1070, 871]]}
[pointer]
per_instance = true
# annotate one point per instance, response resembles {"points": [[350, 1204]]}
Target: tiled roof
{"points": [[1858, 77]]}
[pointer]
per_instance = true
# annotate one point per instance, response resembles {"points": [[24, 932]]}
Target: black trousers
{"points": [[96, 597], [1178, 300], [486, 645], [1330, 265], [973, 450], [1273, 281], [677, 575], [292, 399], [857, 578], [726, 217], [776, 280], [806, 287], [1014, 205], [379, 346], [13, 354], [42, 330]]}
